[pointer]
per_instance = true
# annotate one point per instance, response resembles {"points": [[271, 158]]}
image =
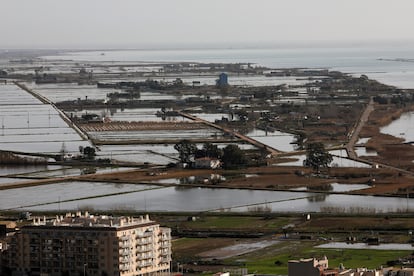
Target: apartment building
{"points": [[84, 244]]}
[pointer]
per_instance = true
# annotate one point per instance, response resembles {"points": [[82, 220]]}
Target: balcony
{"points": [[145, 241], [144, 248], [124, 238], [124, 245], [125, 260], [144, 235], [124, 267], [147, 256], [144, 263], [124, 252], [165, 245]]}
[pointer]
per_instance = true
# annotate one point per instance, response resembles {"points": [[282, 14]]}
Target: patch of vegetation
{"points": [[350, 258], [236, 222]]}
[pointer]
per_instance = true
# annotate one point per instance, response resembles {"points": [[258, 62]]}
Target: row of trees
{"points": [[231, 156]]}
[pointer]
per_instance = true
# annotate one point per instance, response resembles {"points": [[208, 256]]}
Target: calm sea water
{"points": [[356, 60]]}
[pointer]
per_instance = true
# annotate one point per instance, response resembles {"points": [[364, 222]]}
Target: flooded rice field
{"points": [[337, 187], [64, 191], [340, 159], [110, 196], [385, 246], [237, 249], [27, 125], [363, 151], [17, 170], [129, 115], [57, 92], [152, 153], [275, 139], [19, 174], [156, 135], [156, 154]]}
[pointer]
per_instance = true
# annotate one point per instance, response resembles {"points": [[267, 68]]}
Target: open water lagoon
{"points": [[379, 63]]}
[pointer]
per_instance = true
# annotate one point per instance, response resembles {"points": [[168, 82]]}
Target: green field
{"points": [[350, 258]]}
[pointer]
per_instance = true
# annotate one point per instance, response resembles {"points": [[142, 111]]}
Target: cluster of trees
{"points": [[399, 100], [231, 156], [89, 153]]}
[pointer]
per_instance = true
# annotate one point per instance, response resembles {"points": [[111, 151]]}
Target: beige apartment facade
{"points": [[83, 244]]}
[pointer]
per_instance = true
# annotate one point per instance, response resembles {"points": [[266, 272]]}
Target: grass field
{"points": [[350, 258], [274, 259]]}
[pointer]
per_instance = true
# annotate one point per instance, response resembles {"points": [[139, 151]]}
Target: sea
{"points": [[389, 64]]}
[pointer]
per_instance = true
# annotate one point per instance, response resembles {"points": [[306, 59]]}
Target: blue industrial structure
{"points": [[222, 80]]}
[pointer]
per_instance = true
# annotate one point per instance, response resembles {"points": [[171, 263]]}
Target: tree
{"points": [[300, 138], [186, 150], [233, 157], [209, 150], [212, 150], [317, 157], [89, 153]]}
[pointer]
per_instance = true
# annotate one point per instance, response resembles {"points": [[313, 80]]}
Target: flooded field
{"points": [[363, 151], [57, 92], [276, 139], [385, 246], [401, 127], [27, 125], [237, 249], [339, 160], [16, 170], [338, 187], [30, 126], [154, 135], [110, 196], [65, 191]]}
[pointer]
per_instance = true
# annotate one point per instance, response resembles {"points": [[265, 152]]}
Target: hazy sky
{"points": [[140, 23]]}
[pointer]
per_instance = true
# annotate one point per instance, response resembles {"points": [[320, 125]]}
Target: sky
{"points": [[229, 23]]}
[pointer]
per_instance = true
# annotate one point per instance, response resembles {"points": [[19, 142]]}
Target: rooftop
{"points": [[87, 220]]}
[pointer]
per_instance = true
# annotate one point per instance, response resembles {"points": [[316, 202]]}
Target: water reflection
{"points": [[336, 162], [317, 198], [142, 197]]}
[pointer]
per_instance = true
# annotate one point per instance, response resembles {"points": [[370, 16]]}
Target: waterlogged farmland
{"points": [[135, 112], [137, 197], [28, 125]]}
